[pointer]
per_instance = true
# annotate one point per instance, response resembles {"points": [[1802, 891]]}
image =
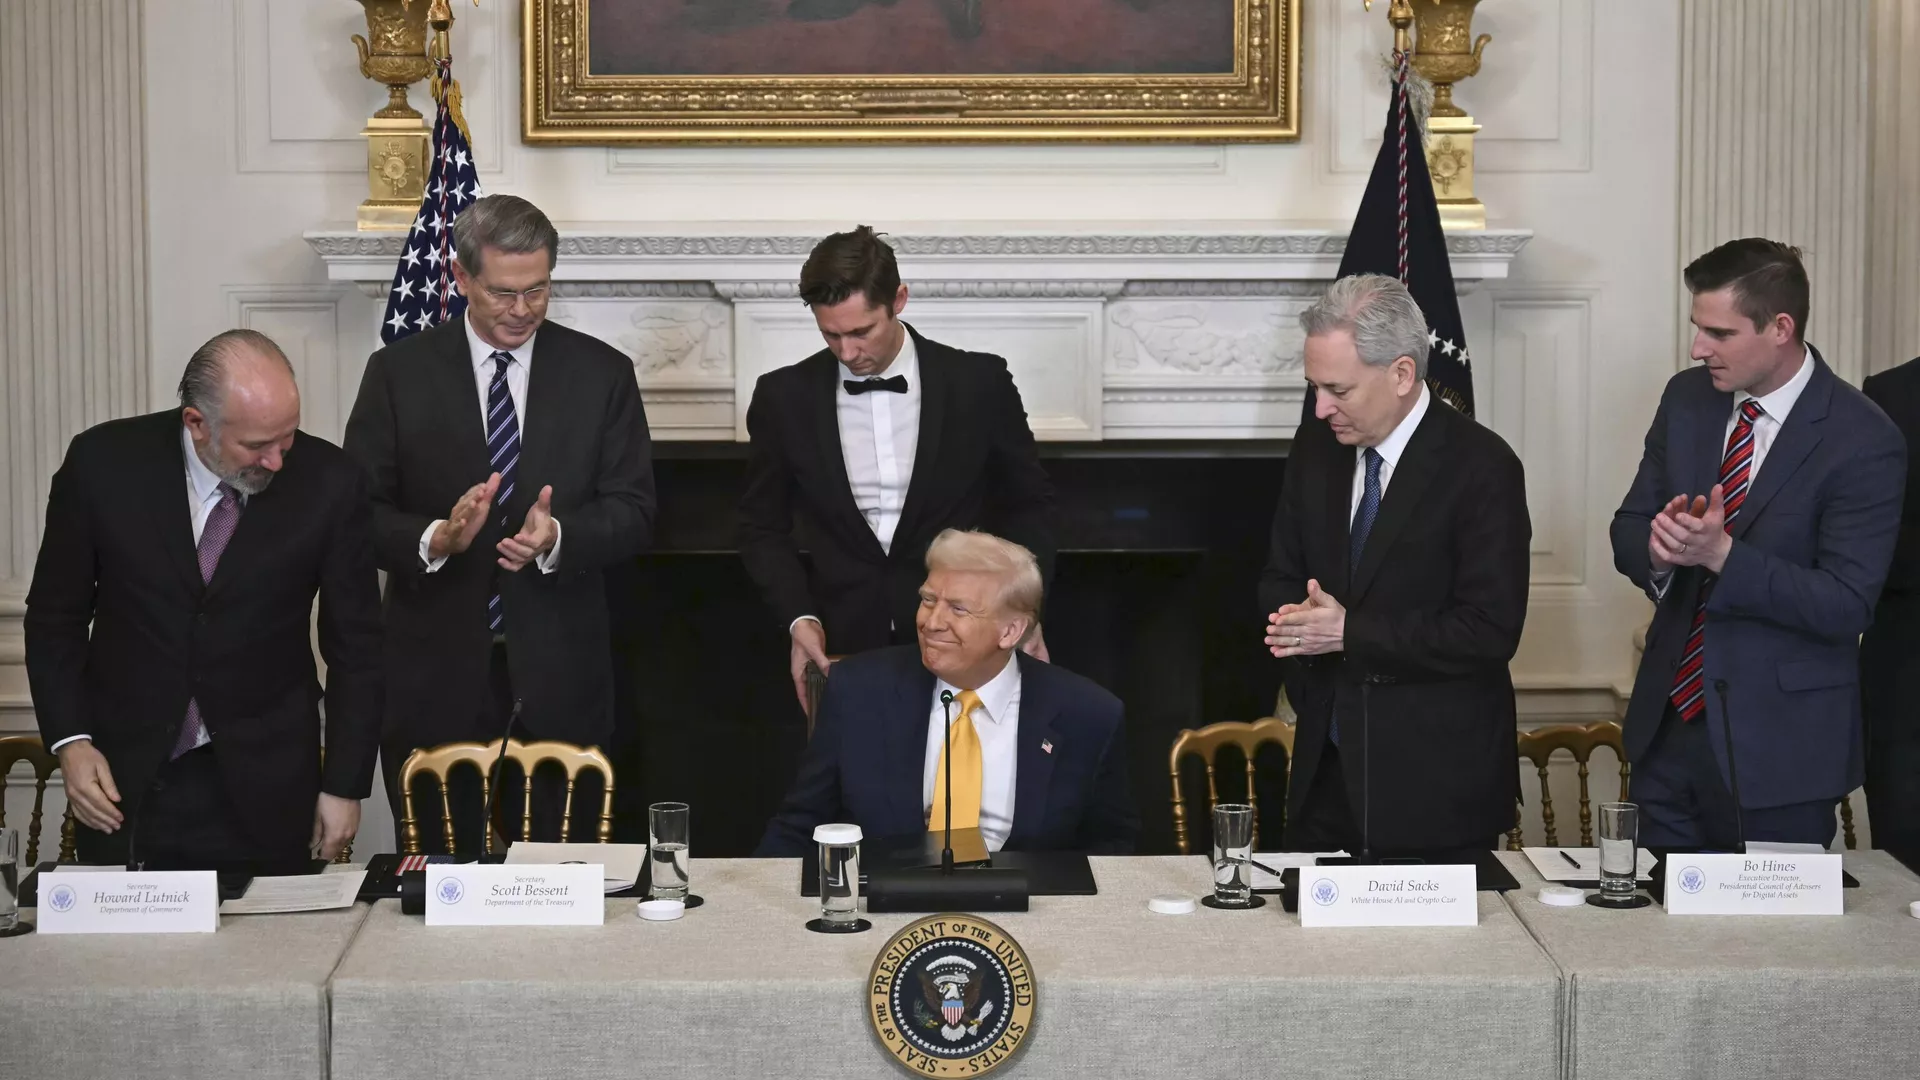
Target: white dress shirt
{"points": [[203, 494], [517, 390], [997, 721], [1774, 408], [879, 432], [1390, 450]]}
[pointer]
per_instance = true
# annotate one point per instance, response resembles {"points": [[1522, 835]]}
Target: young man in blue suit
{"points": [[1039, 754], [1761, 522]]}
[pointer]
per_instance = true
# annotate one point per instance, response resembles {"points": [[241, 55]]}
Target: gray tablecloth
{"points": [[1654, 995], [247, 1002], [740, 988]]}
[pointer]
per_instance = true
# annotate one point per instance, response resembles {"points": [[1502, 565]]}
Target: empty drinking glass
{"points": [[1233, 855]]}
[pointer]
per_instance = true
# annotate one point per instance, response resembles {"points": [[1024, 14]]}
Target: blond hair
{"points": [[968, 551]]}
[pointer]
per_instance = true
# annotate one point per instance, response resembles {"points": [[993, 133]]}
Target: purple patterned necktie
{"points": [[213, 540]]}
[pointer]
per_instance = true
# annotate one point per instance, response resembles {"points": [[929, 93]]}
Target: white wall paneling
{"points": [[1537, 371], [306, 322]]}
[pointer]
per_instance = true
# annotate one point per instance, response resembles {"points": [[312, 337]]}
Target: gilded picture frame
{"points": [[696, 72]]}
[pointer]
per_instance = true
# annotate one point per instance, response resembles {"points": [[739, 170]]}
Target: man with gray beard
{"points": [[168, 629]]}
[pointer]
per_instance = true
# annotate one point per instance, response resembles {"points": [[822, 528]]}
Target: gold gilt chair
{"points": [[28, 748], [1206, 744], [440, 761], [816, 689], [1580, 740]]}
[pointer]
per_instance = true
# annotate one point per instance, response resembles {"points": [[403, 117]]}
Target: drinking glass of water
{"points": [[839, 880], [1233, 856], [667, 836], [1619, 856]]}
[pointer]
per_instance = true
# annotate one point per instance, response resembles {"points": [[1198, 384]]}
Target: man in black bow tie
{"points": [[865, 451]]}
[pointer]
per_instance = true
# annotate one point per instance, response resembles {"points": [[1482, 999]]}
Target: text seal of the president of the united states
{"points": [[951, 995]]}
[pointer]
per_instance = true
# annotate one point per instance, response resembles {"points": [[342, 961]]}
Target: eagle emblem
{"points": [[951, 998]]}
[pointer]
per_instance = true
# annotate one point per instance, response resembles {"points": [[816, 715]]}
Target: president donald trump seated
{"points": [[1039, 754]]}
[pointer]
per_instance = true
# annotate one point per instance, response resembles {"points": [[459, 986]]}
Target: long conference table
{"points": [[740, 988]]}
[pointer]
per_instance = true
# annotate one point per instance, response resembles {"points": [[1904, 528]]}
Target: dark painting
{"points": [[910, 37]]}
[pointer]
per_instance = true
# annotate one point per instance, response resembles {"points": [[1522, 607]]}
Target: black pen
{"points": [[1571, 859]]}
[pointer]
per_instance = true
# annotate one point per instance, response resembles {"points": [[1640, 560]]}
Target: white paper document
{"points": [[622, 861], [1579, 863], [1281, 860], [304, 892]]}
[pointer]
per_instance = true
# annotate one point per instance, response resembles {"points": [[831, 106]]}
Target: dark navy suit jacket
{"points": [[866, 764], [1810, 551]]}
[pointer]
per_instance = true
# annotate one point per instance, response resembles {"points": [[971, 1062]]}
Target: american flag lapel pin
{"points": [[1046, 746]]}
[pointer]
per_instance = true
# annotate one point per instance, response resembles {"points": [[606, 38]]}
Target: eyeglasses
{"points": [[506, 297]]}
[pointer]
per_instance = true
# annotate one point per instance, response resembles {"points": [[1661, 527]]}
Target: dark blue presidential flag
{"points": [[1397, 233], [423, 292]]}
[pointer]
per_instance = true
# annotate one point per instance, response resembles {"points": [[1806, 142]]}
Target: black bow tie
{"points": [[896, 385]]}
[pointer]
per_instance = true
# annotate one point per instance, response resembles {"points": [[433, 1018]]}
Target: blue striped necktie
{"points": [[503, 450]]}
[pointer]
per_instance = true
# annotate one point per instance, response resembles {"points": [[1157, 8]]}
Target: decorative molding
{"points": [[1221, 289], [672, 342], [1040, 166], [1204, 337], [942, 290], [1503, 242], [1536, 392], [634, 290], [1774, 123]]}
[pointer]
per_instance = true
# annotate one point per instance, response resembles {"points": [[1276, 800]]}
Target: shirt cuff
{"points": [[426, 545], [1659, 582], [55, 748], [550, 562], [798, 621]]}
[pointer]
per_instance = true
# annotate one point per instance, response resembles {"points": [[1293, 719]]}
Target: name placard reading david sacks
{"points": [[115, 902], [1439, 895], [484, 894], [951, 995]]}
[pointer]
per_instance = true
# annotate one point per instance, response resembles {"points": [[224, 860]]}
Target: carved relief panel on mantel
{"points": [[1120, 333]]}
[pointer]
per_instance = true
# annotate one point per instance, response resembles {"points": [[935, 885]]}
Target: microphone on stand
{"points": [[946, 850], [493, 782], [1733, 769], [1366, 770]]}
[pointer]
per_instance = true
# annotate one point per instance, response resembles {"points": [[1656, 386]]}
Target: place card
{"points": [[1391, 895], [1757, 883], [118, 902], [479, 894]]}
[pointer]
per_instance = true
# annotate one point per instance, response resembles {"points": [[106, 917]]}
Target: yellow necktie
{"points": [[967, 779]]}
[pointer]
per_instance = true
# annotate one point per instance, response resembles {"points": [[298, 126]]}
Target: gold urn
{"points": [[1445, 52], [394, 52]]}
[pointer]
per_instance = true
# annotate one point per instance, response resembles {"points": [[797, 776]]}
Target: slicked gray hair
{"points": [[506, 223], [203, 386], [1380, 314]]}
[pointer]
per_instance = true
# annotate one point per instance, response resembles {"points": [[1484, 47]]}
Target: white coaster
{"points": [[1171, 905]]}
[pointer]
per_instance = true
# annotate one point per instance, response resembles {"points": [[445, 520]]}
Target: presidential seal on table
{"points": [[951, 995]]}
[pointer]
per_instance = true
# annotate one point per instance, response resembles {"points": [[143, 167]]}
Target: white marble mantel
{"points": [[1113, 331]]}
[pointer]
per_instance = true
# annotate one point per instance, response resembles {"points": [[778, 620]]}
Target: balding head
{"points": [[239, 400]]}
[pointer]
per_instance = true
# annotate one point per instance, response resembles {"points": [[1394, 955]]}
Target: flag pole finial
{"points": [[1400, 14]]}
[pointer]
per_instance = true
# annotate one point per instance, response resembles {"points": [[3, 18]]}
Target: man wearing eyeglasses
{"points": [[510, 466]]}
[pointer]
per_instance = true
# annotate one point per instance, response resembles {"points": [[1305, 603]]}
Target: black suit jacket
{"points": [[1890, 651], [975, 467], [1434, 613], [866, 763], [121, 631], [416, 428]]}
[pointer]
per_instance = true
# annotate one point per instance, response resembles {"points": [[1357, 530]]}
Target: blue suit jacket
{"points": [[1810, 551], [867, 761]]}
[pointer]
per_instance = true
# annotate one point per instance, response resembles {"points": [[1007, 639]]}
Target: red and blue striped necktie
{"points": [[1689, 692]]}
